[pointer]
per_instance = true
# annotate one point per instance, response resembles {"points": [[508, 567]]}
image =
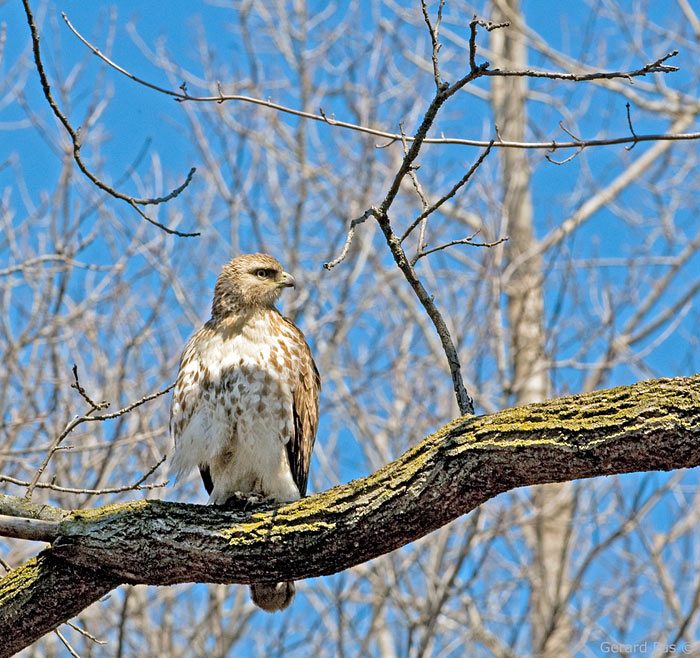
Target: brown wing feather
{"points": [[186, 397], [305, 409]]}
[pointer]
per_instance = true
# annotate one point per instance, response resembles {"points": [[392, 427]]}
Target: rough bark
{"points": [[42, 594], [653, 425]]}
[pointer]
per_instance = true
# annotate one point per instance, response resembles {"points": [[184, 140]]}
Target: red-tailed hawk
{"points": [[245, 404]]}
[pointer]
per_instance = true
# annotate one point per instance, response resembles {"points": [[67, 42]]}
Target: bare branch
{"points": [[77, 420], [565, 160], [94, 492], [67, 645], [573, 155], [75, 138], [84, 633], [32, 529], [434, 31], [133, 203], [472, 38], [94, 406], [421, 195], [464, 401], [597, 201], [444, 92], [137, 486], [395, 137], [128, 408], [468, 241], [629, 123], [450, 194], [656, 66], [348, 239], [50, 258]]}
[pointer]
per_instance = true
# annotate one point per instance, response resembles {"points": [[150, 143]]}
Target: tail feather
{"points": [[272, 597]]}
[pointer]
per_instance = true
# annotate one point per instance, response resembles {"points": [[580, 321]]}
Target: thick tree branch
{"points": [[653, 425], [42, 594]]}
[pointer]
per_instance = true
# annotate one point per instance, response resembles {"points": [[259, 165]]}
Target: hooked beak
{"points": [[286, 280]]}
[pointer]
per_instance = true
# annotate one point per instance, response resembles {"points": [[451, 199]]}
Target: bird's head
{"points": [[249, 282]]}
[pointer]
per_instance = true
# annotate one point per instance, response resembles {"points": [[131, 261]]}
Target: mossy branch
{"points": [[652, 425]]}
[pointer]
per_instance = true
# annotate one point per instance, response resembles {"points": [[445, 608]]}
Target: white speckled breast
{"points": [[232, 405]]}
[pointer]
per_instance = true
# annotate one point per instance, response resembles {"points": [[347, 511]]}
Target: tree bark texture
{"points": [[653, 425]]}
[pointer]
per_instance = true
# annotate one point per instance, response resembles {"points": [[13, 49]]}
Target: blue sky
{"points": [[137, 117]]}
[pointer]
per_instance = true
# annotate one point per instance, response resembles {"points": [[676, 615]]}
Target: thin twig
{"points": [[466, 406], [94, 406], [132, 203], [472, 42], [131, 407], [472, 36], [92, 492], [82, 631], [573, 155], [434, 31], [348, 238], [569, 133], [150, 472], [137, 486], [565, 160], [656, 66], [76, 139], [463, 241], [421, 195], [51, 258], [442, 95], [71, 650], [450, 194], [331, 121], [77, 420], [629, 123], [490, 27], [70, 426]]}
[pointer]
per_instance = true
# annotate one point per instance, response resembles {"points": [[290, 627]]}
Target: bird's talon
{"points": [[244, 501]]}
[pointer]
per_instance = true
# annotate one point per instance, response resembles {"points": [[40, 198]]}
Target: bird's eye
{"points": [[261, 274]]}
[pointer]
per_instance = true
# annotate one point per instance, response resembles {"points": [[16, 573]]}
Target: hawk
{"points": [[245, 405]]}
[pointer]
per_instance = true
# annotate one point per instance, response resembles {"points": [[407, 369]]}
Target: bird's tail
{"points": [[272, 597]]}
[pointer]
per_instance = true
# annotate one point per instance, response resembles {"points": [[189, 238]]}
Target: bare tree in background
{"points": [[555, 309], [553, 504]]}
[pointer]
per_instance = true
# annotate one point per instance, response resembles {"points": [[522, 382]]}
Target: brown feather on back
{"points": [[305, 409]]}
